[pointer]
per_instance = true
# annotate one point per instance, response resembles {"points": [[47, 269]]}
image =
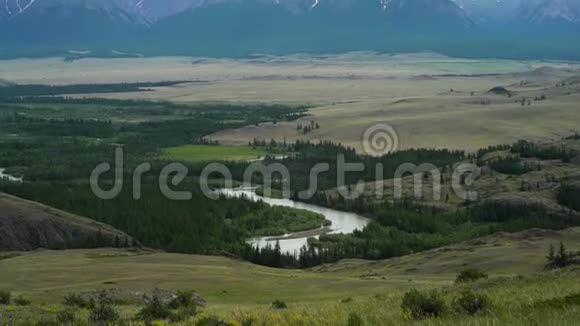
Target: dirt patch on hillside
{"points": [[25, 225]]}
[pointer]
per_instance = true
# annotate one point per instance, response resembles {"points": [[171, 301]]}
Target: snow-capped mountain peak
{"points": [[555, 10]]}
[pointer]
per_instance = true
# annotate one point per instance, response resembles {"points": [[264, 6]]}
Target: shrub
{"points": [[182, 314], [279, 304], [346, 300], [47, 322], [5, 297], [245, 319], [21, 301], [354, 320], [470, 275], [182, 299], [471, 303], [75, 300], [422, 305], [560, 302], [103, 312], [66, 317], [177, 310], [154, 309], [210, 321]]}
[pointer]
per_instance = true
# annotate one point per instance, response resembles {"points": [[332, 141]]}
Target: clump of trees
{"points": [[490, 149], [562, 258], [569, 196], [306, 128], [529, 149], [514, 166]]}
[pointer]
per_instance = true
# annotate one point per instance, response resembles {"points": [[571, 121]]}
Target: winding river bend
{"points": [[342, 222], [8, 177]]}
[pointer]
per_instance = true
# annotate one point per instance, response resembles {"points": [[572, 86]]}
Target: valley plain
{"points": [[432, 101]]}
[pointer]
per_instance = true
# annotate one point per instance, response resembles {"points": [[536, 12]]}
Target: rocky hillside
{"points": [[25, 225]]}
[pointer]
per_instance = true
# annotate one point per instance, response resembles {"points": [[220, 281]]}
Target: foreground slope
{"points": [[229, 281], [25, 225], [330, 295]]}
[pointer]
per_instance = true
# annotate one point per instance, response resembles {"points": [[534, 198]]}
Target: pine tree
{"points": [[563, 257], [551, 254], [277, 255]]}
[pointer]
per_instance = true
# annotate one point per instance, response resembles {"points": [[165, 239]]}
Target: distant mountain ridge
{"points": [[154, 10], [241, 27]]}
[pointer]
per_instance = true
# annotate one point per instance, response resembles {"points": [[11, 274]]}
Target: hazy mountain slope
{"points": [[252, 26], [242, 27], [25, 225], [492, 11], [553, 11], [522, 12], [70, 22], [427, 15]]}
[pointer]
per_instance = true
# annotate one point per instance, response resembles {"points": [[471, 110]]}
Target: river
{"points": [[342, 222], [8, 177]]}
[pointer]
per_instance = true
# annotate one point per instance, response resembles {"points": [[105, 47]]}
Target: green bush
{"points": [[346, 300], [47, 322], [355, 319], [66, 317], [182, 314], [210, 321], [471, 303], [154, 309], [5, 297], [246, 320], [470, 275], [279, 304], [422, 305], [177, 310], [21, 301], [75, 300], [182, 299], [103, 312], [560, 302]]}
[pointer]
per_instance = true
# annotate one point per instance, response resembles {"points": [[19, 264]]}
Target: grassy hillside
{"points": [[26, 225], [330, 294]]}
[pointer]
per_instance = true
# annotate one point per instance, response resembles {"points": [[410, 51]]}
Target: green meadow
{"points": [[201, 153]]}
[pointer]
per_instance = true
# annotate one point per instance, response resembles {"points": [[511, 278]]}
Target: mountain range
{"points": [[241, 27]]}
